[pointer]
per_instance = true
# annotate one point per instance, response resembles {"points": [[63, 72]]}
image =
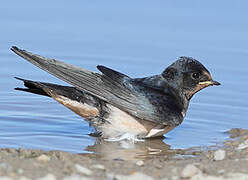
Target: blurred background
{"points": [[139, 38]]}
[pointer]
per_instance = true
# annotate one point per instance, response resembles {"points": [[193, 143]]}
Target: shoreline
{"points": [[229, 160]]}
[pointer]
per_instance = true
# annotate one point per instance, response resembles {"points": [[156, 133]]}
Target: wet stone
{"points": [[140, 163], [20, 171], [135, 176], [23, 178], [83, 170], [43, 158], [5, 178], [98, 166], [47, 177], [189, 171], [219, 155], [243, 145], [76, 177]]}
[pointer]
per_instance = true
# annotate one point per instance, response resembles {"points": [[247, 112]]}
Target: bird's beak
{"points": [[209, 83]]}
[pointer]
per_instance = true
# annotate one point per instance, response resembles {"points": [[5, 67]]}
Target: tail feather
{"points": [[80, 102], [34, 91], [31, 87]]}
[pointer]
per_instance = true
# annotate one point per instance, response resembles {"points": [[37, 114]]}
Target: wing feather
{"points": [[111, 86]]}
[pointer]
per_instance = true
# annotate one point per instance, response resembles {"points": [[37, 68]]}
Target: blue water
{"points": [[139, 38]]}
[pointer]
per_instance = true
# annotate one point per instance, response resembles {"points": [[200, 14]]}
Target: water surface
{"points": [[139, 38]]}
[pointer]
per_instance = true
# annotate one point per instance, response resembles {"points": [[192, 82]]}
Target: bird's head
{"points": [[188, 76]]}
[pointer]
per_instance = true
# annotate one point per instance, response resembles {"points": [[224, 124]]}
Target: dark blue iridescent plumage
{"points": [[161, 100]]}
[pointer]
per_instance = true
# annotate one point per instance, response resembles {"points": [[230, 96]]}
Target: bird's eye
{"points": [[195, 75]]}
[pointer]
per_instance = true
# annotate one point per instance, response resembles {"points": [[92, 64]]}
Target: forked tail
{"points": [[80, 102]]}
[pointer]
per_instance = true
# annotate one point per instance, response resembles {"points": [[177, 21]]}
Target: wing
{"points": [[83, 79], [111, 86]]}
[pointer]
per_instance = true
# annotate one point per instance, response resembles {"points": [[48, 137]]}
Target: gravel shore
{"points": [[228, 160]]}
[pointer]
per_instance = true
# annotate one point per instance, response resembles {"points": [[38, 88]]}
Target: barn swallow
{"points": [[118, 106]]}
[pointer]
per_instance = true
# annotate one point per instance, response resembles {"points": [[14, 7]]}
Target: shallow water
{"points": [[138, 38]]}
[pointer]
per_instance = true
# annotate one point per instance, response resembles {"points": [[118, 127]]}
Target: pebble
{"points": [[23, 178], [43, 158], [11, 151], [243, 145], [189, 171], [76, 177], [158, 166], [174, 171], [6, 166], [174, 178], [20, 171], [5, 178], [47, 177], [222, 171], [135, 176], [165, 178], [98, 166], [237, 176], [110, 176], [204, 177], [229, 176], [140, 163], [83, 170], [219, 155]]}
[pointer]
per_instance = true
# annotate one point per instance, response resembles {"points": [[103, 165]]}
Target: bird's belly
{"points": [[118, 124], [121, 125]]}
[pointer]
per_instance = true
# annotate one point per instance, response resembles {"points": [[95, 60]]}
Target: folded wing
{"points": [[111, 86]]}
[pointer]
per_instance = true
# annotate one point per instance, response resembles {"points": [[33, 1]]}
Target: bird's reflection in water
{"points": [[126, 150]]}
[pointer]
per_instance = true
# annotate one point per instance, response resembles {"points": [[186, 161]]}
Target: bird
{"points": [[117, 106]]}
